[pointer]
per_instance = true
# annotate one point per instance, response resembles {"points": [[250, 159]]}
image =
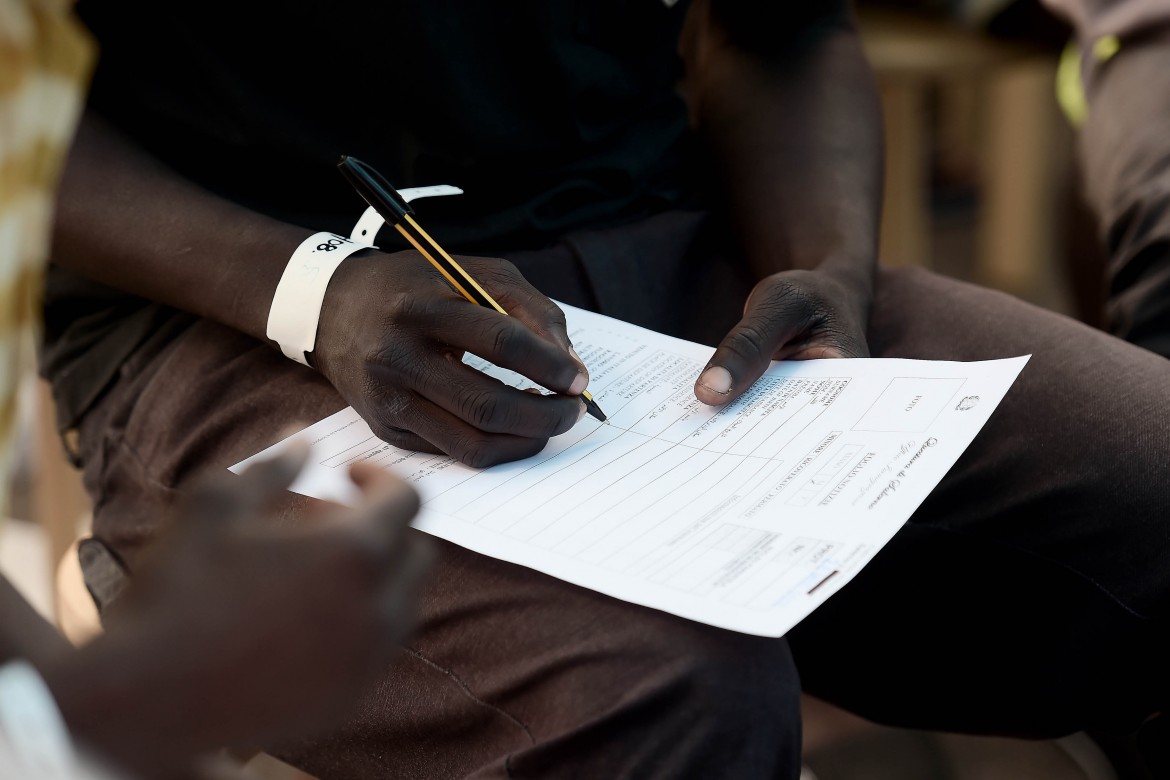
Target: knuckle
{"points": [[482, 409], [562, 419], [505, 268], [785, 295], [399, 306], [385, 429], [391, 355], [503, 337], [402, 504], [749, 342], [492, 269], [475, 451], [553, 314]]}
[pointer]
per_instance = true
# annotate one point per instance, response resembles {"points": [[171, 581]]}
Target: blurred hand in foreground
{"points": [[239, 632]]}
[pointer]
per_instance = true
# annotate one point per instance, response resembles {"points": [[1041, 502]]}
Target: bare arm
{"points": [[788, 107], [23, 632], [389, 327], [129, 222]]}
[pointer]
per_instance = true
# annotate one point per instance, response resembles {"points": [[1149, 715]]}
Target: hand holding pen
{"points": [[396, 211], [391, 339]]}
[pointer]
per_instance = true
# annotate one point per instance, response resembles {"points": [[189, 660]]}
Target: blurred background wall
{"points": [[981, 180]]}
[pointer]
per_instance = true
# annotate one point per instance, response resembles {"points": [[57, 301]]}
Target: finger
{"points": [[278, 472], [400, 596], [520, 299], [233, 499], [774, 316], [368, 477], [384, 493], [408, 440], [454, 436], [391, 556], [532, 307], [389, 504], [509, 342], [489, 405]]}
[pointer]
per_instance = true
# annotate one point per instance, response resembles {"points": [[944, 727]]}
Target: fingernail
{"points": [[577, 357], [581, 413], [717, 380], [579, 384]]}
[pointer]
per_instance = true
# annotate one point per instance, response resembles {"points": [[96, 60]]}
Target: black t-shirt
{"points": [[552, 115]]}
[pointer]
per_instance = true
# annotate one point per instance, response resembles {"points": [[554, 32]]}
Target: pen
{"points": [[381, 195]]}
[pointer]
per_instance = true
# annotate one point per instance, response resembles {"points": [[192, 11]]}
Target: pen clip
{"points": [[374, 188]]}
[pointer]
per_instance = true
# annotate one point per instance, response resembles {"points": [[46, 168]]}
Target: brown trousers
{"points": [[1029, 595]]}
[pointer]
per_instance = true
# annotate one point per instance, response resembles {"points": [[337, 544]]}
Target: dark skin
{"points": [[804, 194], [293, 627], [804, 197], [391, 333]]}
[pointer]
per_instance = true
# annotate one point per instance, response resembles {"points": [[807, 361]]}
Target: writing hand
{"points": [[792, 315], [392, 337]]}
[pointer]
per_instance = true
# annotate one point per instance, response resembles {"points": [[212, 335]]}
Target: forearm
{"points": [[98, 690], [23, 632], [117, 704], [128, 222], [795, 136]]}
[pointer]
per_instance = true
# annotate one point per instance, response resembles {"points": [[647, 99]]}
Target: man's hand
{"points": [[792, 315], [788, 107], [392, 337], [240, 632], [391, 333]]}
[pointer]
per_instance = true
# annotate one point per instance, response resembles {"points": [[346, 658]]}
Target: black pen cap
{"points": [[374, 188]]}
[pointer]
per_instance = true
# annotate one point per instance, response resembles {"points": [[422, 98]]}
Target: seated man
{"points": [[1028, 595]]}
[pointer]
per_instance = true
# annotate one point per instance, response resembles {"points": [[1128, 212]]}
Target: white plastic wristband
{"points": [[32, 726], [296, 304], [366, 229]]}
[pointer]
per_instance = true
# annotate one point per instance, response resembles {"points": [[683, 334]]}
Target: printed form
{"points": [[746, 516]]}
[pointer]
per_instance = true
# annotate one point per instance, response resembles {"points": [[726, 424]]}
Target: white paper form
{"points": [[746, 516]]}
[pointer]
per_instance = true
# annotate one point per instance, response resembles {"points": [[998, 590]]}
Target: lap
{"points": [[510, 672], [1030, 592], [1047, 531]]}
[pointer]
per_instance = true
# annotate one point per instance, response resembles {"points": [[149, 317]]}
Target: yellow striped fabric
{"points": [[45, 59]]}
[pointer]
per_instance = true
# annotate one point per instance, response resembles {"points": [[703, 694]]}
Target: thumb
{"points": [[232, 499], [389, 504], [739, 361], [771, 319]]}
